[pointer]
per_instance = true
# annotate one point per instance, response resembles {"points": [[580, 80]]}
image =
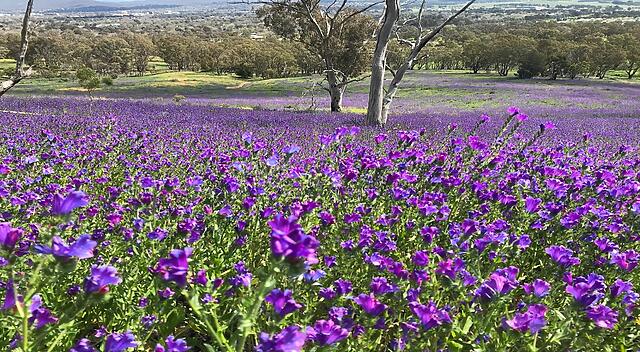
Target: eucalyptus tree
{"points": [[336, 31], [380, 99]]}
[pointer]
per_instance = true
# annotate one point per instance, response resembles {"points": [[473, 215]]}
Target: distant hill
{"points": [[39, 5], [110, 8], [15, 5]]}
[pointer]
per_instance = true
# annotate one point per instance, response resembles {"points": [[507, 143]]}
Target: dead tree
{"points": [[388, 21], [20, 73], [380, 99]]}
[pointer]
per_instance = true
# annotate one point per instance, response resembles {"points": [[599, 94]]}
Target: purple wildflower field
{"points": [[137, 225], [437, 94]]}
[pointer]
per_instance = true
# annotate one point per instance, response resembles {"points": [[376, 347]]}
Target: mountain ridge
{"points": [[40, 5]]}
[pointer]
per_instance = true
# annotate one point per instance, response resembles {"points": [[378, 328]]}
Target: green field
{"points": [[7, 64], [206, 84], [420, 91]]}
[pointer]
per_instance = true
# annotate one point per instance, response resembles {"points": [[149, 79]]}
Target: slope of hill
{"points": [[16, 5]]}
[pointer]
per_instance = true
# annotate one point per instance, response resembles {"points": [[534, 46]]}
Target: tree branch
{"points": [[404, 41], [359, 11], [425, 40], [420, 14], [353, 80], [20, 72], [392, 71]]}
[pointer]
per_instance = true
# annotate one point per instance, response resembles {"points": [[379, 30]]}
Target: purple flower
{"points": [[539, 288], [524, 242], [282, 302], [100, 279], [148, 320], [420, 258], [370, 304], [603, 316], [619, 287], [9, 236], [532, 320], [477, 144], [84, 345], [173, 345], [201, 277], [39, 314], [604, 244], [562, 255], [587, 290], [446, 268], [176, 267], [381, 286], [626, 261], [166, 293], [288, 241], [290, 339], [430, 316], [532, 205], [118, 342], [64, 206], [82, 248], [326, 332], [343, 286], [10, 296], [500, 282], [512, 110]]}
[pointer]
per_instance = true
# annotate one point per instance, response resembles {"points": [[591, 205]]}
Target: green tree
{"points": [[142, 48], [338, 35], [531, 64], [504, 54], [111, 55], [603, 57], [88, 79], [476, 53], [629, 43]]}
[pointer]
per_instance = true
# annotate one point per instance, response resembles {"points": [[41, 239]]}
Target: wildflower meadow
{"points": [[142, 226]]}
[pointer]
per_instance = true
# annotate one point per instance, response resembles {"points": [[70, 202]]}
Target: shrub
{"points": [[107, 81], [531, 65]]}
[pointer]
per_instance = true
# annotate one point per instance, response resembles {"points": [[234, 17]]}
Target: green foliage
{"points": [[568, 49], [107, 81], [531, 65], [88, 79], [346, 47]]}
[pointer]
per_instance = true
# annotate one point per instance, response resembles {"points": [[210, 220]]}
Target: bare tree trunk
{"points": [[417, 47], [20, 72], [336, 91], [336, 99], [393, 89], [378, 66]]}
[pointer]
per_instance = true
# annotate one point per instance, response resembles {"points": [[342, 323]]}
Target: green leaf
{"points": [[209, 347], [467, 325], [455, 345]]}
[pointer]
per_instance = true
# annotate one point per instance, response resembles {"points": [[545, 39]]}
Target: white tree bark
{"points": [[378, 67], [20, 72], [416, 47]]}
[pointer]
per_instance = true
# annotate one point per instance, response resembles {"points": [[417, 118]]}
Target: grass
{"points": [[7, 64], [163, 84], [460, 90]]}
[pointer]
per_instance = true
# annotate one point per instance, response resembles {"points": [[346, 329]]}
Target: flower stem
{"points": [[247, 322]]}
